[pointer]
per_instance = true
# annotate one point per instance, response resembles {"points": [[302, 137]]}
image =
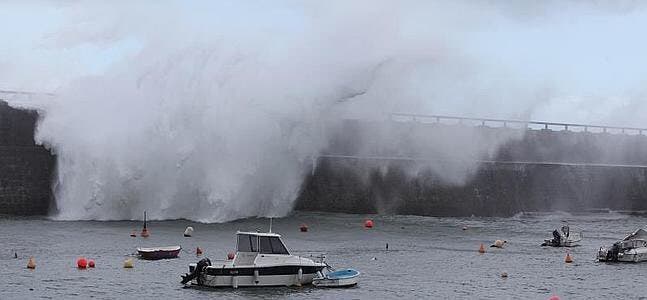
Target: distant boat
{"points": [[159, 252], [145, 230]]}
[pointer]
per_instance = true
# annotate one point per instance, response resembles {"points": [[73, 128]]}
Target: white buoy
{"points": [[188, 232]]}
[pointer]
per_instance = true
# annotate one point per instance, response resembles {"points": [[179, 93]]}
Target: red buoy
{"points": [[198, 251], [230, 255], [368, 223], [81, 263], [91, 263], [303, 228]]}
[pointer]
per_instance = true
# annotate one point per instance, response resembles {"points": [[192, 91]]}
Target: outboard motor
{"points": [[557, 238], [612, 254], [200, 268]]}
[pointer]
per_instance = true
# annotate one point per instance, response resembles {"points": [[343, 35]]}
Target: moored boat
{"points": [[339, 278], [564, 238], [633, 248], [159, 252], [261, 259]]}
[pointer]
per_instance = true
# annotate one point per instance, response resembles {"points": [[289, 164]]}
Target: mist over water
{"points": [[213, 111]]}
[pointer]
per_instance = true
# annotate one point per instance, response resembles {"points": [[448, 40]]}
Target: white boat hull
{"points": [[335, 282], [250, 281]]}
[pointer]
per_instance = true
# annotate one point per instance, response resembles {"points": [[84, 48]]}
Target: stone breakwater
{"points": [[26, 169]]}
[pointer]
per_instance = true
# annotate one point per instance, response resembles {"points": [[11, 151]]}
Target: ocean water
{"points": [[428, 257]]}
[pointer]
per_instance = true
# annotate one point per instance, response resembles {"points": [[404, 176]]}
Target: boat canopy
{"points": [[263, 243], [639, 234]]}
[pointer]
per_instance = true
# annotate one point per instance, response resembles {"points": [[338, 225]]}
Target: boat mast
{"points": [[144, 219], [270, 224]]}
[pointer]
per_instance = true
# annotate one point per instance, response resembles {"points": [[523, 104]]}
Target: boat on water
{"points": [[633, 248], [564, 238], [159, 252], [261, 259], [339, 278]]}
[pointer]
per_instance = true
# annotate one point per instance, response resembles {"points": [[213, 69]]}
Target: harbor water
{"points": [[427, 257]]}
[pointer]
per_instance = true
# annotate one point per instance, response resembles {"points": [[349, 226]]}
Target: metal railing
{"points": [[510, 123]]}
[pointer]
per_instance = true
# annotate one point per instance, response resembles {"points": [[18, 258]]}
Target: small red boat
{"points": [[159, 252]]}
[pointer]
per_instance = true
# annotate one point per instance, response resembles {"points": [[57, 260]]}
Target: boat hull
{"points": [[632, 255], [249, 277], [155, 254]]}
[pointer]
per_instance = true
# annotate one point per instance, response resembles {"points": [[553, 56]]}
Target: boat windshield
{"points": [[247, 243], [272, 245]]}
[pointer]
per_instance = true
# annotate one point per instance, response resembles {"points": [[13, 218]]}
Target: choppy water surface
{"points": [[427, 257]]}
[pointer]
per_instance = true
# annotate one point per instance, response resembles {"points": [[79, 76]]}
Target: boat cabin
{"points": [[261, 243]]}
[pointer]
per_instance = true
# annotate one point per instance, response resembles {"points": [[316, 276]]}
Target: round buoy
{"points": [[91, 263], [303, 228], [128, 263], [464, 227], [188, 232], [504, 275], [499, 243], [482, 249], [230, 255], [198, 251], [82, 263], [133, 234], [31, 264], [368, 223], [568, 258]]}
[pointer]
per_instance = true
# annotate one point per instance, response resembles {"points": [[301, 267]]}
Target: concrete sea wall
{"points": [[25, 168]]}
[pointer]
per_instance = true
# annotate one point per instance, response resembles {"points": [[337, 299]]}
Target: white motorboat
{"points": [[633, 248], [339, 278], [261, 259], [563, 238]]}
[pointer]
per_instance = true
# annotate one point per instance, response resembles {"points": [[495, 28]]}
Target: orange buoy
{"points": [[82, 263], [368, 223], [133, 234], [230, 255], [198, 251], [31, 264], [91, 263], [554, 297], [568, 258], [482, 248], [303, 228]]}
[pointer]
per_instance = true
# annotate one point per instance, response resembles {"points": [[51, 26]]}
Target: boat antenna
{"points": [[144, 219], [270, 224]]}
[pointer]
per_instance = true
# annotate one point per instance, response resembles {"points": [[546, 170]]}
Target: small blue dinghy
{"points": [[339, 278]]}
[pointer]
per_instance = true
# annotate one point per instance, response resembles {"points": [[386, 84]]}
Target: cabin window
{"points": [[247, 243], [272, 245]]}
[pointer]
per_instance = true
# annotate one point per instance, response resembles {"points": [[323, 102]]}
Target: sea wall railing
{"points": [[443, 119]]}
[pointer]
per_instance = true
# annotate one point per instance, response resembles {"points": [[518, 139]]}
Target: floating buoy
{"points": [[188, 232], [31, 264], [303, 228], [373, 258], [568, 258], [387, 246], [231, 255], [15, 254], [499, 243], [91, 263], [81, 263], [368, 223], [133, 234], [504, 275], [145, 233], [198, 251], [554, 297], [482, 248], [128, 263], [464, 227]]}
